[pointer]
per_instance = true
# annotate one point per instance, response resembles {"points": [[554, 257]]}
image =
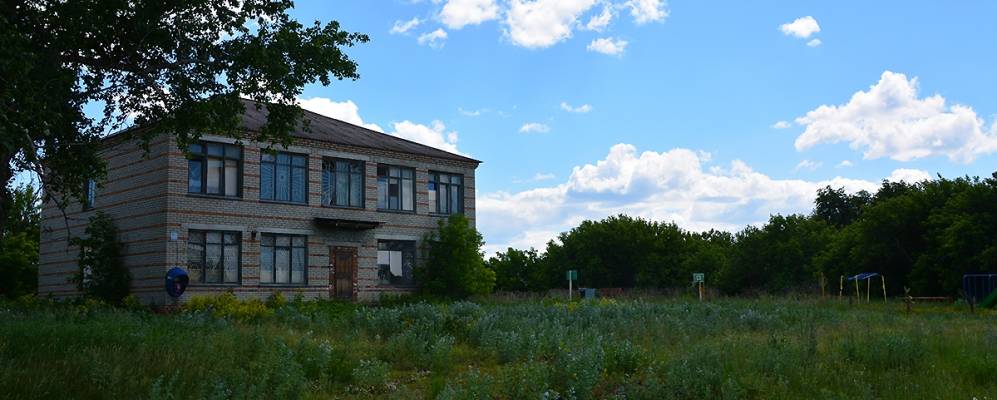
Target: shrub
{"points": [[226, 305], [18, 265], [473, 385], [102, 275], [454, 266], [371, 376]]}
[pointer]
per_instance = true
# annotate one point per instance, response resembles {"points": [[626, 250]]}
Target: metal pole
{"points": [[868, 285], [883, 277], [858, 297]]}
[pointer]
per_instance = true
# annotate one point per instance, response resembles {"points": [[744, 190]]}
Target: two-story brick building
{"points": [[340, 213]]}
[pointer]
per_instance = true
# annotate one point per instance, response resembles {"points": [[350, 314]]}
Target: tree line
{"points": [[923, 235]]}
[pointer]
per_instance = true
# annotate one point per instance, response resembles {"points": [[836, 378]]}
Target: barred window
{"points": [[213, 256], [343, 183]]}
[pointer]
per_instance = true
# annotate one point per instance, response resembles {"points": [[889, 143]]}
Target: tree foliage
{"points": [[922, 235], [161, 66], [517, 270], [454, 265], [102, 274], [19, 244]]}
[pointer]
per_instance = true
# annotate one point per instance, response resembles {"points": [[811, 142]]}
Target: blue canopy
{"points": [[864, 275]]}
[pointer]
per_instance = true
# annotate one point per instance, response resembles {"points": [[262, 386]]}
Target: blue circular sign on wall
{"points": [[176, 281]]}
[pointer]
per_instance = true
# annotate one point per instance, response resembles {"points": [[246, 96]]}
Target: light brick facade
{"points": [[147, 195]]}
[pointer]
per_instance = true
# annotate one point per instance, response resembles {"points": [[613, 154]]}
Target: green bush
{"points": [[102, 275], [454, 266], [18, 265], [371, 376]]}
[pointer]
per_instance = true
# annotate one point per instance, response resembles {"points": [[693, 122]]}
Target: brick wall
{"points": [[148, 198]]}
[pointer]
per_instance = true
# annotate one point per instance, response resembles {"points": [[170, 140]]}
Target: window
{"points": [[395, 261], [89, 194], [215, 169], [395, 188], [342, 183], [446, 193], [213, 256], [283, 259], [283, 177]]}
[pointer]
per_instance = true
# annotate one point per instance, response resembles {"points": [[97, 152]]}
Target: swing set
{"points": [[865, 276]]}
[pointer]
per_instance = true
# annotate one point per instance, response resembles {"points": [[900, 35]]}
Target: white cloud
{"points": [[610, 46], [435, 39], [909, 175], [844, 164], [538, 177], [677, 185], [534, 127], [802, 27], [458, 13], [584, 108], [543, 23], [889, 120], [781, 125], [814, 43], [645, 11], [808, 165], [345, 111], [403, 27], [599, 22], [434, 135]]}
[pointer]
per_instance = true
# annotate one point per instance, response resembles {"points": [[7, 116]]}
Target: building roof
{"points": [[326, 129], [331, 130]]}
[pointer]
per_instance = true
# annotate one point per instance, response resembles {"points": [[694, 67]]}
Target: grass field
{"points": [[645, 349]]}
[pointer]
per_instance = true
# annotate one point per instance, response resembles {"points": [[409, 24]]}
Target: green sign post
{"points": [[572, 276], [698, 279]]}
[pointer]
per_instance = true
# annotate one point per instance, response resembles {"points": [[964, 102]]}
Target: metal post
{"points": [[868, 285], [841, 286], [883, 277], [858, 297], [569, 288]]}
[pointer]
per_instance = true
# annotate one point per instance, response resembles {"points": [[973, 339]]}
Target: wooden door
{"points": [[345, 270]]}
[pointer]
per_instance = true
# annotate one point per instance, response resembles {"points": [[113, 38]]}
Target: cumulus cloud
{"points": [[434, 135], [435, 39], [584, 108], [814, 43], [890, 120], [543, 23], [678, 185], [610, 46], [781, 125], [403, 27], [534, 127], [802, 27], [909, 175], [645, 11], [844, 164], [346, 111], [458, 13], [599, 22]]}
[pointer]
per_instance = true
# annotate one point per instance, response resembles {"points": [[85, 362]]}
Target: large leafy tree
{"points": [[175, 66]]}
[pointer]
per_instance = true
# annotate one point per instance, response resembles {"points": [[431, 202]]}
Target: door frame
{"points": [[333, 289]]}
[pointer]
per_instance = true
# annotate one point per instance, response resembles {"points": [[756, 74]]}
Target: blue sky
{"points": [[681, 120], [709, 114]]}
